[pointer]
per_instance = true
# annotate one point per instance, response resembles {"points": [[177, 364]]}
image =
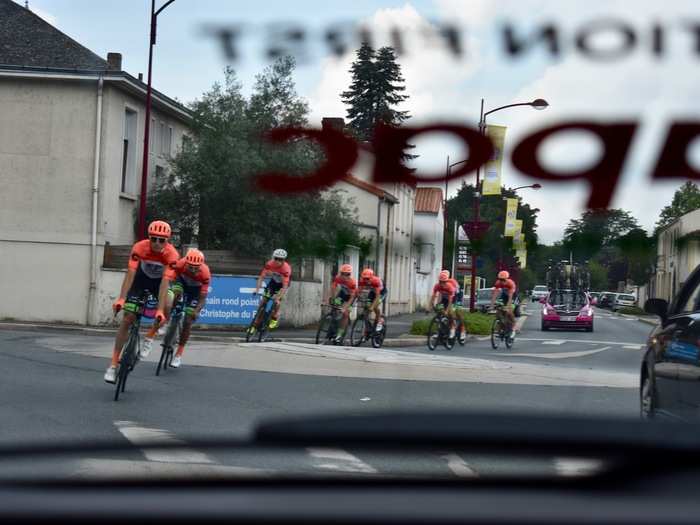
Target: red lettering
{"points": [[673, 161], [602, 177], [390, 143], [341, 155]]}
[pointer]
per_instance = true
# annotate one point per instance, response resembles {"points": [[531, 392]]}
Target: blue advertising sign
{"points": [[230, 301]]}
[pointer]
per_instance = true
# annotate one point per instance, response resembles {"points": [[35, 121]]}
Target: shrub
{"points": [[477, 324], [631, 310]]}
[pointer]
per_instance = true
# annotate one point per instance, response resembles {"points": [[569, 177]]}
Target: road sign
{"points": [[230, 301], [464, 259]]}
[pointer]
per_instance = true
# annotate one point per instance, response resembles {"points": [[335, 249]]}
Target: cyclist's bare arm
{"points": [[260, 280], [126, 284], [163, 292]]}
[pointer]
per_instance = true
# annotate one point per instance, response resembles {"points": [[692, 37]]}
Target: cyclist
{"points": [[279, 271], [504, 287], [376, 293], [445, 291], [344, 287], [459, 308], [150, 270], [192, 279]]}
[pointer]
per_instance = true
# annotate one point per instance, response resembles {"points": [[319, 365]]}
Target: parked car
{"points": [[607, 299], [594, 296], [567, 309], [670, 370], [538, 292], [623, 300]]}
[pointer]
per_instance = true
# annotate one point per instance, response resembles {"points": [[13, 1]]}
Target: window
{"points": [[162, 137], [152, 137], [427, 256], [169, 144], [160, 174], [128, 183]]}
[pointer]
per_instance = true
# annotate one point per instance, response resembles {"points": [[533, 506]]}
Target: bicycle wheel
{"points": [[163, 361], [447, 341], [459, 331], [378, 337], [496, 334], [250, 333], [126, 362], [263, 326], [358, 331], [171, 335], [434, 333], [323, 329]]}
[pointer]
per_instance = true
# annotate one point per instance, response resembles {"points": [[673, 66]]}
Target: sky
{"points": [[639, 85]]}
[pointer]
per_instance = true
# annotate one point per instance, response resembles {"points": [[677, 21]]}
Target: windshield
{"points": [[268, 233]]}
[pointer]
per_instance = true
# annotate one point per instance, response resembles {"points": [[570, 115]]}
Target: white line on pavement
{"points": [[554, 342], [459, 467], [633, 347], [561, 355], [139, 435], [617, 343], [340, 460]]}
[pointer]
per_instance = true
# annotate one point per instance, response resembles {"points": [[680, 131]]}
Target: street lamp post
{"points": [[538, 104], [147, 127]]}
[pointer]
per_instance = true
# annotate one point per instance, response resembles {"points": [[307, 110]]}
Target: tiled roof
{"points": [[371, 188], [428, 200], [28, 40]]}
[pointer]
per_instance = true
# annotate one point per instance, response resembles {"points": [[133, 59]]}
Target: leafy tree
{"points": [[685, 200], [639, 253], [599, 276], [209, 194], [595, 229]]}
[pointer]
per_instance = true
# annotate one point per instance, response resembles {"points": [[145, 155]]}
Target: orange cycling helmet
{"points": [[346, 268], [503, 274], [194, 257], [159, 229], [367, 273], [444, 276]]}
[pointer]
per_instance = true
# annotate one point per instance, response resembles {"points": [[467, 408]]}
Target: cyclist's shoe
{"points": [[146, 347], [176, 362], [272, 324], [452, 333], [163, 328], [251, 330], [380, 325], [512, 334], [111, 375], [462, 337]]}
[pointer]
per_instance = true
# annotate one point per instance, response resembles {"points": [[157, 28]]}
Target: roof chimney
{"points": [[114, 61], [141, 77], [336, 123]]}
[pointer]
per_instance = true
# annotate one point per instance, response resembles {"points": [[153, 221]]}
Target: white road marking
{"points": [[617, 343], [561, 355], [365, 399], [577, 466], [340, 460], [139, 435], [554, 342], [633, 347], [459, 467]]}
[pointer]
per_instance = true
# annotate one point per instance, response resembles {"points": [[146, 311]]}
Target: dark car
{"points": [[607, 299], [670, 371]]}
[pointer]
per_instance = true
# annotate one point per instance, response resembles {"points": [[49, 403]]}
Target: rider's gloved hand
{"points": [[118, 305]]}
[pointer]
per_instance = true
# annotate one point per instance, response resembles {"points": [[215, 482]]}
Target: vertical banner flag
{"points": [[511, 213], [492, 172], [518, 235]]}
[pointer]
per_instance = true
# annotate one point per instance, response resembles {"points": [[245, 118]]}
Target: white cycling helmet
{"points": [[279, 253]]}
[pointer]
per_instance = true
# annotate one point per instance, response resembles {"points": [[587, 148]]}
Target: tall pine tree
{"points": [[377, 88]]}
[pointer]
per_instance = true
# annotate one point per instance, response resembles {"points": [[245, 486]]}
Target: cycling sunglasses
{"points": [[345, 274], [279, 259], [160, 240]]}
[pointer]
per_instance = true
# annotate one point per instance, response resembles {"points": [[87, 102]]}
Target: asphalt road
{"points": [[52, 390]]}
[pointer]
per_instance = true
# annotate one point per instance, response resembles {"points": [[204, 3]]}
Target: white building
{"points": [[385, 215], [429, 223], [678, 254], [71, 149]]}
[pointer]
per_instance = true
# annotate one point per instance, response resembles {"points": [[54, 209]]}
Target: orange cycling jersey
{"points": [[155, 265], [201, 278], [509, 285], [348, 285], [280, 273], [374, 283], [446, 289]]}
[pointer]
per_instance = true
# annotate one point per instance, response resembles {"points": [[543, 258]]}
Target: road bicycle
{"points": [[131, 351], [499, 329], [364, 329], [329, 323], [259, 326], [439, 331], [172, 335]]}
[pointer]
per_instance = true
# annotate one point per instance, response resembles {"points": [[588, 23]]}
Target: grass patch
{"points": [[631, 310], [477, 324]]}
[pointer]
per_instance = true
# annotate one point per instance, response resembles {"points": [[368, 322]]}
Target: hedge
{"points": [[477, 323]]}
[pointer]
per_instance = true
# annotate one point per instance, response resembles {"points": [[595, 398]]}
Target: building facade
{"points": [[71, 152], [429, 225], [678, 254]]}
